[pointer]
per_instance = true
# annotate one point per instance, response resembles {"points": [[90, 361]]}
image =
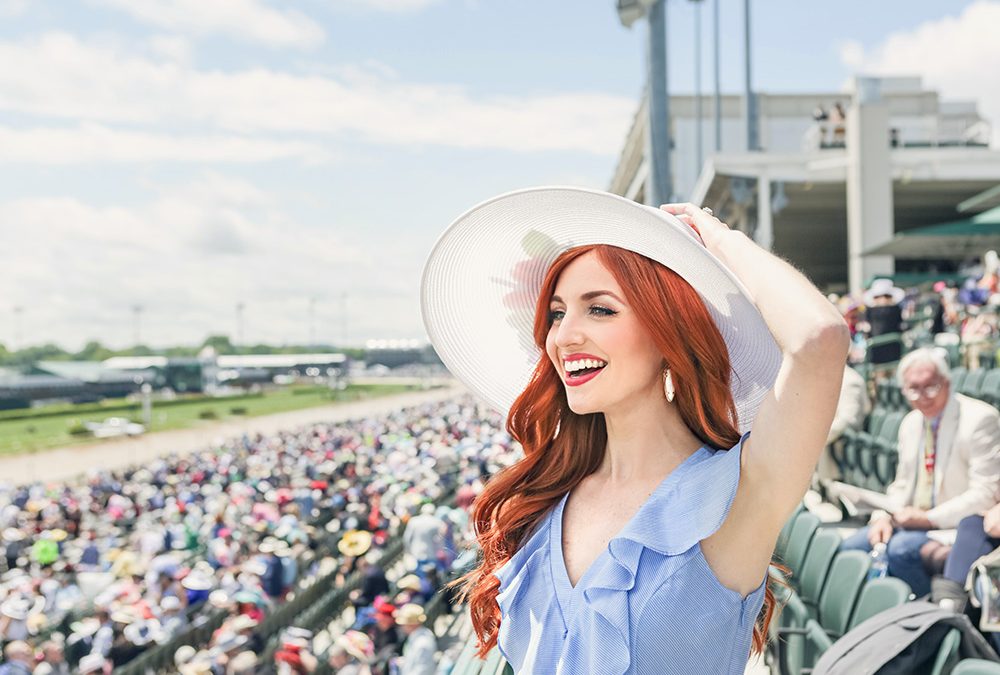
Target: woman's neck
{"points": [[646, 440]]}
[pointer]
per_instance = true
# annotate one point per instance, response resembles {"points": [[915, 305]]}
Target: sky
{"points": [[190, 157]]}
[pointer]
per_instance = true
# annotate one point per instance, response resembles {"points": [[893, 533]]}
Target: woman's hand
{"points": [[708, 228]]}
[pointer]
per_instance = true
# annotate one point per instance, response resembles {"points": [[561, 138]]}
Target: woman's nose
{"points": [[568, 332]]}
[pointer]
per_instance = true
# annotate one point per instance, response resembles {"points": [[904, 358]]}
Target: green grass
{"points": [[41, 432]]}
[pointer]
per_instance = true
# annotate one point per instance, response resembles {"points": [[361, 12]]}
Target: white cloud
{"points": [[248, 20], [62, 77], [97, 143], [11, 8], [852, 54], [172, 48], [188, 256], [391, 5], [957, 55]]}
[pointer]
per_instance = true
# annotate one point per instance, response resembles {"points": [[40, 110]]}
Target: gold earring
{"points": [[668, 385]]}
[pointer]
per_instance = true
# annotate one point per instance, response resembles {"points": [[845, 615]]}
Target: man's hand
{"points": [[912, 518], [880, 531], [991, 522]]}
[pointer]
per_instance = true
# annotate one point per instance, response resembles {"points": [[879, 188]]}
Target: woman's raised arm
{"points": [[791, 426]]}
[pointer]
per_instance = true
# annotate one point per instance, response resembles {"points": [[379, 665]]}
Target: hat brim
{"points": [[482, 279], [895, 292]]}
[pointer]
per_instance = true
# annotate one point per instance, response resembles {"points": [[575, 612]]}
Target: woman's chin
{"points": [[583, 407]]}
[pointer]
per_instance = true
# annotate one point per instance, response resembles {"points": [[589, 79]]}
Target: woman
{"points": [[642, 498]]}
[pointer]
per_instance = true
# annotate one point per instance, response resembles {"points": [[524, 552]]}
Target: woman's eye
{"points": [[602, 311], [555, 315]]}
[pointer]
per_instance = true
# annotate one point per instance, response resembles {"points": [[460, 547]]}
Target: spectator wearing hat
{"points": [[420, 646], [384, 632], [295, 653], [14, 614], [273, 579], [198, 587], [14, 545], [414, 588], [351, 654], [884, 314], [18, 659], [244, 663], [93, 663], [173, 620], [184, 655]]}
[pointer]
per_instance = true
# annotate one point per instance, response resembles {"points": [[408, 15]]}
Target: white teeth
{"points": [[581, 364]]}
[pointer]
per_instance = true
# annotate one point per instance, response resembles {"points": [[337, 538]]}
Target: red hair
{"points": [[561, 448]]}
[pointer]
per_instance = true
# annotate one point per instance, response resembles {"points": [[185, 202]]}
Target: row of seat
{"points": [[868, 458], [827, 593], [470, 664], [981, 383]]}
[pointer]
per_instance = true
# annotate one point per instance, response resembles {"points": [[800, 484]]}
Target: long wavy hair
{"points": [[561, 447]]}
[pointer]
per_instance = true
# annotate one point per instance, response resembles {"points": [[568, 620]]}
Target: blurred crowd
{"points": [[961, 315], [97, 571]]}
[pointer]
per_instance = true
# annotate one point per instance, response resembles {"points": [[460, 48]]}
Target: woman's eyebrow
{"points": [[590, 295]]}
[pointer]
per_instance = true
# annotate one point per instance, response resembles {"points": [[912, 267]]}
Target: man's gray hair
{"points": [[935, 356]]}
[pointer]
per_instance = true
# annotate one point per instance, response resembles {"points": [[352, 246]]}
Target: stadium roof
{"points": [[84, 371], [278, 360], [956, 239]]}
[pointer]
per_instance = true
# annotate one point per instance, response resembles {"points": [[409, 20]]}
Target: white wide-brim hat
{"points": [[884, 287], [482, 280]]}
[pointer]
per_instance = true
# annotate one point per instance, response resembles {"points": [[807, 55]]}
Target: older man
{"points": [[949, 467]]}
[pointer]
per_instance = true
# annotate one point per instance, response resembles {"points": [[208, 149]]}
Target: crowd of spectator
{"points": [[99, 570]]}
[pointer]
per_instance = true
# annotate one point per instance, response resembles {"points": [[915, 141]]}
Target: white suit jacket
{"points": [[967, 465]]}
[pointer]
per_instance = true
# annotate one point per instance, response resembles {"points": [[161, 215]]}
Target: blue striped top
{"points": [[649, 603]]}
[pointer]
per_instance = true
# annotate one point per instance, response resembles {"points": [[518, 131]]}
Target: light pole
{"points": [[18, 312], [239, 323], [750, 101], [659, 183], [136, 322], [312, 322], [699, 149], [343, 318], [718, 77]]}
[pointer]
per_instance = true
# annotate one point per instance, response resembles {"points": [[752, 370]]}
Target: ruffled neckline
{"points": [[689, 505]]}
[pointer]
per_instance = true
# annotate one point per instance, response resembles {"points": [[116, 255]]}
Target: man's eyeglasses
{"points": [[914, 393]]}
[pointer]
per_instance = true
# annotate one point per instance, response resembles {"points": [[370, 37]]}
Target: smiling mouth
{"points": [[577, 377]]}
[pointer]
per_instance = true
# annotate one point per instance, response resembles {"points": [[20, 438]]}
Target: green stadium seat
{"points": [[846, 578], [947, 656], [973, 383], [803, 531], [467, 660], [990, 390], [878, 595], [884, 442], [816, 567], [852, 466], [806, 638], [976, 667], [958, 376], [781, 545], [494, 663]]}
